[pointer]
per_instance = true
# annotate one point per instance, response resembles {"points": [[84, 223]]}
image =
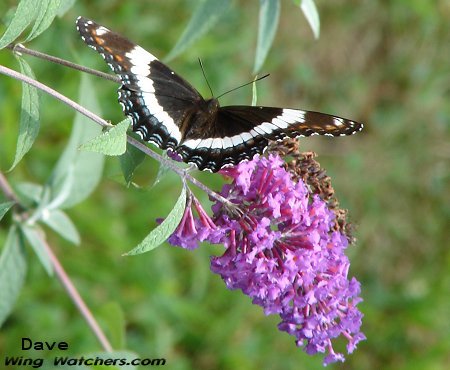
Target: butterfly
{"points": [[168, 111]]}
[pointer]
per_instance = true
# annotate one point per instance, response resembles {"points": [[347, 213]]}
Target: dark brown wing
{"points": [[241, 132]]}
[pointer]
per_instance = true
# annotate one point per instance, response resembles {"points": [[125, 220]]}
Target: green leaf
{"points": [[129, 161], [29, 116], [62, 224], [12, 272], [160, 234], [34, 235], [65, 6], [48, 9], [25, 13], [4, 207], [312, 16], [162, 170], [111, 142], [30, 191], [113, 316], [269, 15], [205, 16], [78, 173]]}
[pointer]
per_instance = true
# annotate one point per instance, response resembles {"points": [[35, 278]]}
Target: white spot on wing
{"points": [[338, 121], [269, 125], [263, 127], [220, 143], [236, 140], [227, 142], [192, 143], [257, 131], [246, 136], [205, 143], [292, 115], [101, 31], [217, 143], [280, 123]]}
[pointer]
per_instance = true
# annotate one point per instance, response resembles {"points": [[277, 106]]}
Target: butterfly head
{"points": [[212, 106]]}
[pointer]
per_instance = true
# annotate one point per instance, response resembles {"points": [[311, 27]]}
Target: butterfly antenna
{"points": [[248, 83], [204, 75]]}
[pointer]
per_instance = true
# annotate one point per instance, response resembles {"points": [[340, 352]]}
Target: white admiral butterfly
{"points": [[167, 111]]}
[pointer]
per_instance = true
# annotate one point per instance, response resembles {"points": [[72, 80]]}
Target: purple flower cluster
{"points": [[281, 251]]}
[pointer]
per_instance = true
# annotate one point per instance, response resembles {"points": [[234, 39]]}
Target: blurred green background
{"points": [[385, 63]]}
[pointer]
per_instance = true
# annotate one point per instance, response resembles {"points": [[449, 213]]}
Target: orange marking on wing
{"points": [[98, 40]]}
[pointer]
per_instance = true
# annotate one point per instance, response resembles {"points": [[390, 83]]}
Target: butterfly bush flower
{"points": [[192, 230], [282, 250]]}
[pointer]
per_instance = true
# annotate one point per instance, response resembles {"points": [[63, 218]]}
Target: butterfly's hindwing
{"points": [[241, 132], [167, 111], [212, 154]]}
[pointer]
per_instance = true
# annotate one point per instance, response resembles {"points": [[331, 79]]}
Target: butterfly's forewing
{"points": [[155, 97]]}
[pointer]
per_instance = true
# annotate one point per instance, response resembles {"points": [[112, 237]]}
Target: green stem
{"points": [[20, 49]]}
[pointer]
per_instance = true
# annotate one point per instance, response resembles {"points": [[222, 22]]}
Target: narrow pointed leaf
{"points": [[65, 6], [204, 17], [12, 272], [30, 191], [269, 15], [34, 235], [57, 193], [111, 142], [25, 13], [5, 207], [162, 171], [29, 116], [129, 161], [160, 234], [48, 9], [78, 173], [312, 16], [62, 224]]}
